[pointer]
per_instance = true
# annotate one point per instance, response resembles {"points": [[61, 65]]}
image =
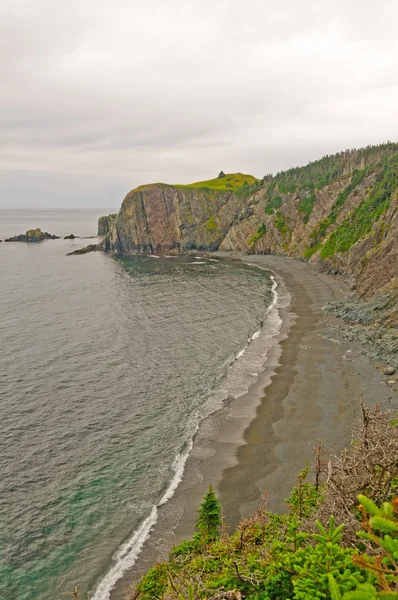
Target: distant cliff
{"points": [[340, 212], [105, 224]]}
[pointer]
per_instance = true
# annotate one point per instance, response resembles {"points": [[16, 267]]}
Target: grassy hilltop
{"points": [[232, 181]]}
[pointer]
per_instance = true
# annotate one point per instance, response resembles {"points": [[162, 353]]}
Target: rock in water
{"points": [[33, 235], [86, 249], [70, 237], [389, 371]]}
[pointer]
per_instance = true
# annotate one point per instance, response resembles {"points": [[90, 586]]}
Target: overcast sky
{"points": [[99, 96]]}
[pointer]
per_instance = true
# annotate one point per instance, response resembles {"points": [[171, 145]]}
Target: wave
{"points": [[257, 333], [127, 555], [128, 552], [179, 466]]}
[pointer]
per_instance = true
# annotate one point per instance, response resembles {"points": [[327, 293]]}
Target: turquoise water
{"points": [[107, 367]]}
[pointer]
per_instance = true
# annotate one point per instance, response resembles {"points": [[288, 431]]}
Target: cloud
{"points": [[97, 97]]}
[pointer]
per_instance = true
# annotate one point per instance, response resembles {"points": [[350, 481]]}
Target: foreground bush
{"points": [[308, 553]]}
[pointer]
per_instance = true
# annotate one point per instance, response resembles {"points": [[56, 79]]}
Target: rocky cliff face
{"points": [[105, 224], [161, 218], [340, 212]]}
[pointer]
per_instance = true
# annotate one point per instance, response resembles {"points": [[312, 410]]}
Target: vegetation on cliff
{"points": [[338, 541], [369, 210]]}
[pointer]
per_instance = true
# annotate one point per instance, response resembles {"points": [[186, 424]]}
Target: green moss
{"points": [[367, 213], [258, 235], [211, 224]]}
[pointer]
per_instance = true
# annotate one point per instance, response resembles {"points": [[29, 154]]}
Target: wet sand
{"points": [[309, 389]]}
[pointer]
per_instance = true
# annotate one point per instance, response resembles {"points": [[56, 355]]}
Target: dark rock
{"points": [[221, 174], [70, 237], [33, 235], [389, 371], [86, 249]]}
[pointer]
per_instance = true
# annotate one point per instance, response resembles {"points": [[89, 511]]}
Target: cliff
{"points": [[105, 224], [160, 218], [340, 213]]}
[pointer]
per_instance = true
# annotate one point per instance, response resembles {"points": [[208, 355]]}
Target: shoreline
{"points": [[309, 389]]}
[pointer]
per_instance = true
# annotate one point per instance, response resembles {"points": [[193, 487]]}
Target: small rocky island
{"points": [[32, 235]]}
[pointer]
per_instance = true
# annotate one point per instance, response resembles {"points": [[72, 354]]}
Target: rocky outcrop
{"points": [[105, 224], [33, 235], [70, 237], [86, 249], [164, 219], [340, 213]]}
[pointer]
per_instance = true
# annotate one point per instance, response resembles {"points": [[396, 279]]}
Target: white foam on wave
{"points": [[178, 466], [198, 262], [257, 333], [128, 552], [126, 556], [153, 256]]}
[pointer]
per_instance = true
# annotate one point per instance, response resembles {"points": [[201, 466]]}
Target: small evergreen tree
{"points": [[209, 520]]}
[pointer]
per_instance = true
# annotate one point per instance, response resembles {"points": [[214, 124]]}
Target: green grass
{"points": [[211, 224], [230, 182]]}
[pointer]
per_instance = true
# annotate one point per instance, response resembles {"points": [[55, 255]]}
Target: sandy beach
{"points": [[309, 390]]}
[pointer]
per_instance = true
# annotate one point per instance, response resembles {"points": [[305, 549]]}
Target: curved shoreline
{"points": [[308, 389]]}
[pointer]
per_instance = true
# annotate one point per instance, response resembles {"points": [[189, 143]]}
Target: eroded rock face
{"points": [[105, 224], [33, 235], [161, 219]]}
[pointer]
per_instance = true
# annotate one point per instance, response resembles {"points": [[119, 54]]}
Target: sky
{"points": [[99, 96]]}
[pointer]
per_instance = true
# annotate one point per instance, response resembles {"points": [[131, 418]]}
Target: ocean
{"points": [[108, 365]]}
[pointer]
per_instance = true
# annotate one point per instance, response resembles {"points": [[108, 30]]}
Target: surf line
{"points": [[269, 308], [127, 554]]}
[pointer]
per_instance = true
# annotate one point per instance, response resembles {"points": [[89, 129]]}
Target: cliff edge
{"points": [[340, 213]]}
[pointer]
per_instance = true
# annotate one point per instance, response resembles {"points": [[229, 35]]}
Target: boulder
{"points": [[70, 237], [389, 371]]}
